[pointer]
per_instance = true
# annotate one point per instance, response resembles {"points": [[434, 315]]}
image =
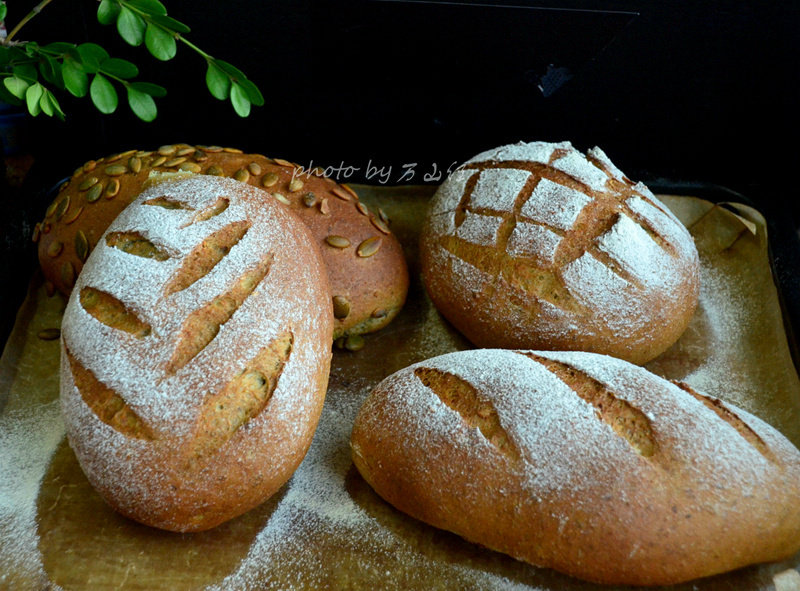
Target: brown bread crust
{"points": [[582, 463], [195, 353], [538, 246], [368, 271]]}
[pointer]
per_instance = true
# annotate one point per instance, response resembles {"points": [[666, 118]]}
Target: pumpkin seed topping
{"points": [[112, 188], [270, 179], [135, 164], [94, 193], [337, 241], [81, 245], [241, 175], [62, 207], [55, 248], [158, 161], [74, 215], [369, 247], [309, 199], [341, 193], [167, 150], [281, 198], [175, 162], [190, 167], [214, 170], [87, 183], [295, 185], [116, 169], [254, 168], [341, 307]]}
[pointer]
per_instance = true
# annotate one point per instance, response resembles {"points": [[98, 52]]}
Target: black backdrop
{"points": [[688, 91]]}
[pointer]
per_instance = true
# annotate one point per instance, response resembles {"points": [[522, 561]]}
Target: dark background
{"points": [[675, 92]]}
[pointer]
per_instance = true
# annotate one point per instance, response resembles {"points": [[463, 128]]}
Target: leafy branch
{"points": [[31, 71]]}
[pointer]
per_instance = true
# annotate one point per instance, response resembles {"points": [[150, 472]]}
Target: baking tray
{"points": [[326, 529]]}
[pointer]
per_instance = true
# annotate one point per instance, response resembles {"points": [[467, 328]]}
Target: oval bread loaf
{"points": [[366, 267], [582, 463], [538, 246], [195, 353]]}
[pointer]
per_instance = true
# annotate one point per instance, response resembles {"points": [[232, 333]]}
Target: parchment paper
{"points": [[326, 529]]}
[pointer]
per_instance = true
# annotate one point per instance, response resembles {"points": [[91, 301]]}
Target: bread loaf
{"points": [[582, 463], [538, 246], [195, 353], [366, 268]]}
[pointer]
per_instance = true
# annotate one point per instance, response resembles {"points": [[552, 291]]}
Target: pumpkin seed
{"points": [[282, 162], [337, 241], [369, 247], [212, 149], [158, 161], [174, 162], [354, 342], [383, 216], [116, 170], [112, 158], [309, 199], [324, 207], [362, 208], [200, 156], [295, 185], [380, 224], [51, 209], [190, 167], [185, 151], [135, 164], [89, 166], [232, 150], [241, 175], [62, 208], [144, 153], [341, 193], [68, 274], [81, 245], [341, 307], [168, 150], [49, 334], [127, 153], [353, 194], [88, 183], [55, 248], [46, 228], [112, 188], [37, 232], [94, 193], [254, 168], [74, 215], [380, 313], [270, 179], [281, 198], [215, 170]]}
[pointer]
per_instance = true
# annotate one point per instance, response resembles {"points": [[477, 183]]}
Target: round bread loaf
{"points": [[582, 463], [195, 354], [367, 271], [538, 246]]}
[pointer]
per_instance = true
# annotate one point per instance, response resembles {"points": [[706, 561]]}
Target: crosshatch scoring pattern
{"points": [[568, 232]]}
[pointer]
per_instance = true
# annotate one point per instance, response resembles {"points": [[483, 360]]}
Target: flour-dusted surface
{"points": [[536, 245], [333, 531], [639, 482], [282, 290]]}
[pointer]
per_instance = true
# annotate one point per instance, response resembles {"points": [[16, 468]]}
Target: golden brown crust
{"points": [[369, 271], [191, 385], [538, 246], [581, 463]]}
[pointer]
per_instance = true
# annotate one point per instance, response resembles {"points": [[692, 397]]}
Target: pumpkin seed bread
{"points": [[365, 262]]}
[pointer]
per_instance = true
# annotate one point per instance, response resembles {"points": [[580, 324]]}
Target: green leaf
{"points": [[160, 43], [50, 105], [230, 70], [107, 12], [241, 104], [142, 104], [61, 48], [26, 72], [149, 88], [103, 94], [32, 96], [253, 93], [151, 7], [130, 26], [119, 68], [218, 82], [75, 79], [171, 24], [16, 86], [3, 11], [92, 55]]}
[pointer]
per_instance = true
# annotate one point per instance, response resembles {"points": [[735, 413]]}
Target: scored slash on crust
{"points": [[476, 410], [203, 324]]}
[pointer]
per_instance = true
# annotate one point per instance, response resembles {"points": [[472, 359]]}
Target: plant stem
{"points": [[36, 10]]}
